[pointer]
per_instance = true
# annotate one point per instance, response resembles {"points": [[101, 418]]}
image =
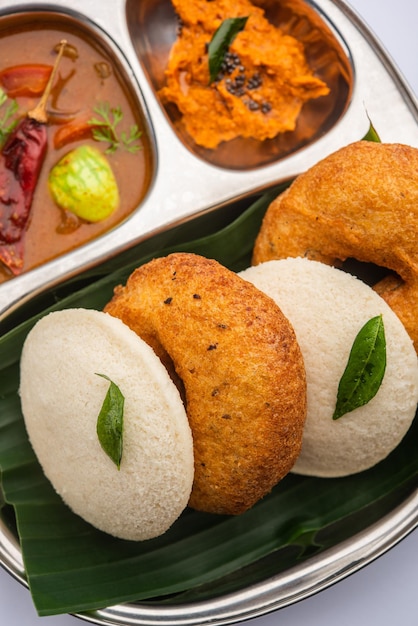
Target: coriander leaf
{"points": [[365, 368], [3, 97], [8, 109], [220, 42], [105, 129], [110, 422], [102, 134], [129, 141]]}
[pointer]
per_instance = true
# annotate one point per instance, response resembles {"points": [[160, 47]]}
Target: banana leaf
{"points": [[73, 568]]}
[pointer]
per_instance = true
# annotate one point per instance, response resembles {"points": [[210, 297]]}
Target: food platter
{"points": [[376, 89]]}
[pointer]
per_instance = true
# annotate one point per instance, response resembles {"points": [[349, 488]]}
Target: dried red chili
{"points": [[21, 161]]}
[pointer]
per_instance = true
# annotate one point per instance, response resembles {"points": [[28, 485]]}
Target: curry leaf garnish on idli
{"points": [[68, 349], [365, 368], [110, 422], [327, 307]]}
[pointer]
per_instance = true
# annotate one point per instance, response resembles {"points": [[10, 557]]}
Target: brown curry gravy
{"points": [[78, 89]]}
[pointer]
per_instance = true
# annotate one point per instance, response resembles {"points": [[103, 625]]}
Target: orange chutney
{"points": [[260, 91]]}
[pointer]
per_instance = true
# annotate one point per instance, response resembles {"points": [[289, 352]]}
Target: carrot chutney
{"points": [[261, 87], [93, 122]]}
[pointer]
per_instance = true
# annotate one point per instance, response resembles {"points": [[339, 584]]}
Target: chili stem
{"points": [[39, 113]]}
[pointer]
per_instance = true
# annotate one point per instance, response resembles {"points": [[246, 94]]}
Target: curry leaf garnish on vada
{"points": [[220, 42], [110, 422], [365, 368]]}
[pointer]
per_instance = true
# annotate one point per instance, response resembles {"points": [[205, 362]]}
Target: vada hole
{"points": [[371, 274], [168, 363]]}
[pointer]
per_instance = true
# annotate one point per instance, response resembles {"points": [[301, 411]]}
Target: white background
{"points": [[383, 593]]}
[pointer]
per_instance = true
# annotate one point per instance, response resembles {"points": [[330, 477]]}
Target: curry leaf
{"points": [[110, 422], [365, 368], [220, 42], [372, 134]]}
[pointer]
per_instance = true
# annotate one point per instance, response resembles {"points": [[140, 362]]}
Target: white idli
{"points": [[61, 396], [327, 307]]}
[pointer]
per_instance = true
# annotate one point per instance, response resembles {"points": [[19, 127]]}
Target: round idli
{"points": [[327, 308], [62, 396]]}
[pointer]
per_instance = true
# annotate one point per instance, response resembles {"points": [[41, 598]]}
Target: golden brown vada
{"points": [[360, 202], [242, 370]]}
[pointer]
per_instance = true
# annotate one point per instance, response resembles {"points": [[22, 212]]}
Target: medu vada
{"points": [[361, 202], [241, 367]]}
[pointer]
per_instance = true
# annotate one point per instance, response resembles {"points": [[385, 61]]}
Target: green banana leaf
{"points": [[72, 567]]}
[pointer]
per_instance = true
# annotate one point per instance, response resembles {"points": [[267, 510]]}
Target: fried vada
{"points": [[326, 327], [242, 370], [361, 203]]}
